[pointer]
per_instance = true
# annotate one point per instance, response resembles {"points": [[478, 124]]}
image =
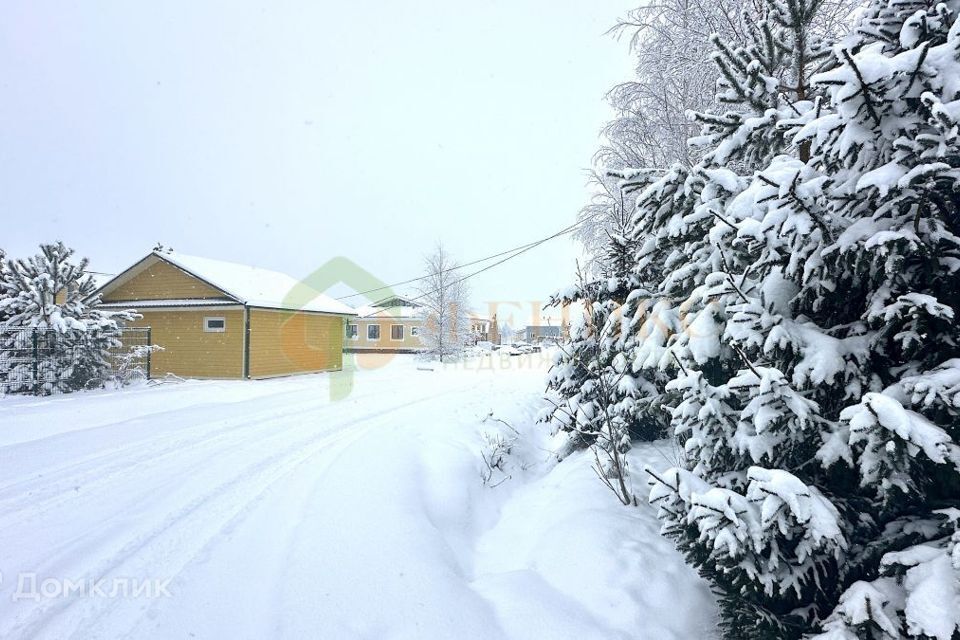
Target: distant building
{"points": [[391, 325], [539, 333], [481, 328]]}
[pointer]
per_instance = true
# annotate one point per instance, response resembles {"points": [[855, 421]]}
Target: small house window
{"points": [[414, 331], [396, 332], [352, 332], [215, 325], [373, 332]]}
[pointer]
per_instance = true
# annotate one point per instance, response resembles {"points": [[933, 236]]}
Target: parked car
{"points": [[523, 347]]}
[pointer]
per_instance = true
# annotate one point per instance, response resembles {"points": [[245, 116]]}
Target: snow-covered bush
{"points": [[495, 455], [128, 367], [76, 336]]}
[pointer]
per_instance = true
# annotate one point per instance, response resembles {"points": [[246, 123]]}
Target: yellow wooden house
{"points": [[217, 319]]}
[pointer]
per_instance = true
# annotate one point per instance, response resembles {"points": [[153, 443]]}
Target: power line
{"points": [[521, 249]]}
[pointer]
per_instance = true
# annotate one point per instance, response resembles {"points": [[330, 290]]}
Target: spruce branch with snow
{"points": [[807, 272], [4, 278], [76, 335], [597, 399]]}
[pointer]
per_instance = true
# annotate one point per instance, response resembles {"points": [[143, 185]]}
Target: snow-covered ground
{"points": [[264, 509]]}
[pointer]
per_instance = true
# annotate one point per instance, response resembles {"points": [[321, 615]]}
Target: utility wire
{"points": [[519, 250]]}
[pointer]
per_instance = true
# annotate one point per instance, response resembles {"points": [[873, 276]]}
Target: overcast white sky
{"points": [[280, 134]]}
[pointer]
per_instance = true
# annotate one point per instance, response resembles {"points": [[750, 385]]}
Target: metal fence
{"points": [[45, 361]]}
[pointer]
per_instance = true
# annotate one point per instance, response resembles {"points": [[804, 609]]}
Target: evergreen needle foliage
{"points": [[52, 294], [792, 314]]}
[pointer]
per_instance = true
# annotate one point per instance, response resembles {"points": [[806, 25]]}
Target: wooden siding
{"points": [[286, 342], [409, 342], [191, 352], [162, 281]]}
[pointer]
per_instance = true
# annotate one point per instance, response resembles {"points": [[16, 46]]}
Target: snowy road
{"points": [[266, 510]]}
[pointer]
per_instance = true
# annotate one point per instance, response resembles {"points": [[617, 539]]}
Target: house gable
{"points": [[395, 301], [156, 279]]}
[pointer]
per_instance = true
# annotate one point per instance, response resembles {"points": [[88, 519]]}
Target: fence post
{"points": [[36, 363], [149, 354]]}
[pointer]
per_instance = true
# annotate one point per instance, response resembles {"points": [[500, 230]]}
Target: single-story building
{"points": [[541, 333], [480, 328], [391, 325], [217, 319]]}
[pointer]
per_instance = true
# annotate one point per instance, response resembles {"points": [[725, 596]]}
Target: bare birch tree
{"points": [[445, 297]]}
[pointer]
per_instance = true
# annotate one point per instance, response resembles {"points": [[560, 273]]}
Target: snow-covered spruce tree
{"points": [[732, 237], [73, 336], [597, 399], [822, 474], [4, 277], [650, 128], [891, 148], [572, 391], [584, 383], [592, 393], [673, 75]]}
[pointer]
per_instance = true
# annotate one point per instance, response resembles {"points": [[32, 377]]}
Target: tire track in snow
{"points": [[100, 469], [49, 441], [273, 468], [240, 496]]}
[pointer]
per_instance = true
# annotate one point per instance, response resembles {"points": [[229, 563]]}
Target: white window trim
{"points": [[206, 324], [379, 332], [353, 336], [402, 332]]}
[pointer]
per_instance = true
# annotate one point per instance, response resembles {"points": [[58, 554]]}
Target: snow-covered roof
{"points": [[99, 279], [397, 301], [254, 286], [391, 307], [248, 285], [171, 302], [410, 310], [371, 311]]}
